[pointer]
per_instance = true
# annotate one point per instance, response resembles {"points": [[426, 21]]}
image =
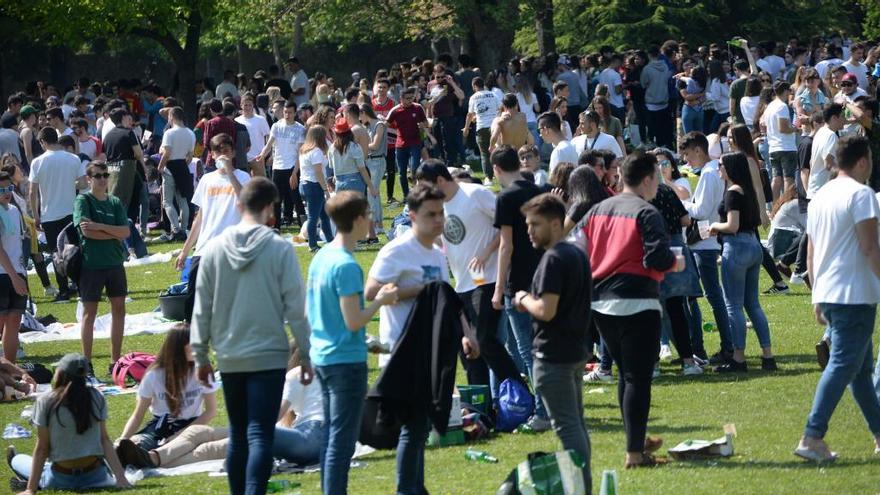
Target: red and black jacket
{"points": [[628, 247]]}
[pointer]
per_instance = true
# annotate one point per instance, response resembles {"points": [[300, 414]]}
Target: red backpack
{"points": [[132, 365]]}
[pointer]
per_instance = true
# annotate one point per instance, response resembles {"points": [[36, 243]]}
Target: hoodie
{"points": [[655, 80], [248, 284]]}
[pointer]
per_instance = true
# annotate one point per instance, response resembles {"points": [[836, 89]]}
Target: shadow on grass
{"points": [[616, 425], [793, 463]]}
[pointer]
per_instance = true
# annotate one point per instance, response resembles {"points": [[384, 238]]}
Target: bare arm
{"points": [[731, 226], [355, 317], [209, 412], [111, 458], [35, 202], [505, 252], [542, 308], [376, 144], [866, 231], [41, 453], [190, 240], [265, 151], [136, 418]]}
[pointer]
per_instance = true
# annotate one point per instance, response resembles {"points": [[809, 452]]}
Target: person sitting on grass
{"points": [[173, 395], [13, 377], [299, 431], [102, 226], [73, 450]]}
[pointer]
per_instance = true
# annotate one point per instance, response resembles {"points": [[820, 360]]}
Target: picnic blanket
{"points": [[146, 260], [143, 323]]}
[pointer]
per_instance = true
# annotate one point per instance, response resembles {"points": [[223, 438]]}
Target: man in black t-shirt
{"points": [[279, 82], [124, 153], [517, 260], [559, 302]]}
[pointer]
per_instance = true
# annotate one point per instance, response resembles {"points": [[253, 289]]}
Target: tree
{"points": [[176, 25]]}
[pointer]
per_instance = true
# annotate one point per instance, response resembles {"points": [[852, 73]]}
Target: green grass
{"points": [[769, 411]]}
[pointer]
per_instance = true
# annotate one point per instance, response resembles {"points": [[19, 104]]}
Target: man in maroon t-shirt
{"points": [[409, 119], [382, 105], [219, 124]]}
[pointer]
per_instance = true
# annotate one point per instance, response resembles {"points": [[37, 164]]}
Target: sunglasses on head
{"points": [[105, 175]]}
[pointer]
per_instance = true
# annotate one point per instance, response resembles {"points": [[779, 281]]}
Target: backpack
{"points": [[515, 405], [132, 366], [68, 257]]}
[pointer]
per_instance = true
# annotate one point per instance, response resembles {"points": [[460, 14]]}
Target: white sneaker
{"points": [[691, 369], [599, 376], [537, 424], [51, 291], [797, 279], [487, 181], [665, 352], [700, 362]]}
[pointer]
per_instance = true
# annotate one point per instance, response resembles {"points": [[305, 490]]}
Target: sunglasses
{"points": [[846, 84], [105, 175], [7, 189]]}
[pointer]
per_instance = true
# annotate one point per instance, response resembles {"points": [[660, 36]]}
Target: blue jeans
{"points": [[314, 196], [407, 158], [96, 478], [851, 327], [344, 387], [411, 456], [707, 264], [135, 241], [521, 328], [252, 403], [691, 119], [301, 444], [376, 167], [740, 269]]}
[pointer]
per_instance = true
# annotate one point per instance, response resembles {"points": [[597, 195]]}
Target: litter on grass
{"points": [[704, 449]]}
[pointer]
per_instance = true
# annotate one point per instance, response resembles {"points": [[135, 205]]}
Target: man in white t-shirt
{"points": [[258, 130], [844, 265], [823, 157], [782, 138], [55, 176], [217, 198], [849, 89], [285, 138], [483, 107], [593, 138], [410, 262], [855, 66], [176, 150], [227, 88], [471, 242], [299, 82], [610, 77], [549, 127], [833, 60]]}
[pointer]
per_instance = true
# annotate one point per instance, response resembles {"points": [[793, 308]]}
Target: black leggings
{"points": [[678, 320], [390, 172], [634, 343]]}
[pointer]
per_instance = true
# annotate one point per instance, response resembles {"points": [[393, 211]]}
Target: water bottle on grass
{"points": [[479, 456]]}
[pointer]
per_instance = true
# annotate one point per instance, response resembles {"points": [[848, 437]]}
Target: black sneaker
{"points": [[721, 357], [17, 484], [823, 353], [179, 236], [61, 297], [732, 367], [778, 289], [769, 364]]}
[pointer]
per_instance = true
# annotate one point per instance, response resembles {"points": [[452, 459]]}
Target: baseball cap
{"points": [[26, 111], [849, 77], [563, 60], [74, 364]]}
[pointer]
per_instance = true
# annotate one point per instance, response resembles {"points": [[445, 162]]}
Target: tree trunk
{"points": [[186, 68], [489, 39], [276, 49], [239, 53], [544, 27], [296, 49]]}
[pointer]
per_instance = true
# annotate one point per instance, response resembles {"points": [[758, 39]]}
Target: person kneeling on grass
{"points": [[298, 433], [73, 450], [173, 394], [102, 225]]}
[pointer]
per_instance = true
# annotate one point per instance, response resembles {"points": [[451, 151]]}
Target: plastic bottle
{"points": [[609, 483], [283, 486], [709, 327], [479, 456]]}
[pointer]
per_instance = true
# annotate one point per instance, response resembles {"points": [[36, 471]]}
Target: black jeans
{"points": [[797, 254], [390, 172], [52, 229], [660, 127], [678, 320], [634, 343], [485, 318], [288, 196]]}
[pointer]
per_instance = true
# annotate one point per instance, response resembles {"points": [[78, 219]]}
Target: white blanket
{"points": [[146, 260], [149, 323]]}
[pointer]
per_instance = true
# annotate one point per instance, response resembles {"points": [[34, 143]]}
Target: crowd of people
{"points": [[593, 254]]}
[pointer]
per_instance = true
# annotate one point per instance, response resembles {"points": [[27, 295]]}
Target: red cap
{"points": [[341, 126], [849, 76]]}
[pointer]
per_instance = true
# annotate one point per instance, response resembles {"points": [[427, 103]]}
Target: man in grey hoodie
{"points": [[655, 79], [248, 284]]}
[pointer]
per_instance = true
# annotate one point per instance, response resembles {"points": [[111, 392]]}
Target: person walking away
{"points": [[249, 266], [337, 316], [629, 252], [655, 79], [216, 196], [842, 230], [73, 450], [510, 127], [559, 302], [741, 258], [55, 177], [178, 145], [517, 261], [782, 138], [483, 107]]}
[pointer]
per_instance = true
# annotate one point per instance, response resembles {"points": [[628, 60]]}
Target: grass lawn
{"points": [[769, 410]]}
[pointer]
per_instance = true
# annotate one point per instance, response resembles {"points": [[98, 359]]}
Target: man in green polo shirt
{"points": [[102, 225]]}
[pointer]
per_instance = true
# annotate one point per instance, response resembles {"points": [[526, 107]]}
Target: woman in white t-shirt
{"points": [[313, 183], [748, 105], [560, 105], [172, 393], [528, 105]]}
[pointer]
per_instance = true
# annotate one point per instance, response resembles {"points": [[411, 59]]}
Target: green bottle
{"points": [[479, 456], [709, 327], [283, 486]]}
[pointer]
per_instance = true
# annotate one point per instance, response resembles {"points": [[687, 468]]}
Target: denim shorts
{"points": [[351, 182], [784, 163]]}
